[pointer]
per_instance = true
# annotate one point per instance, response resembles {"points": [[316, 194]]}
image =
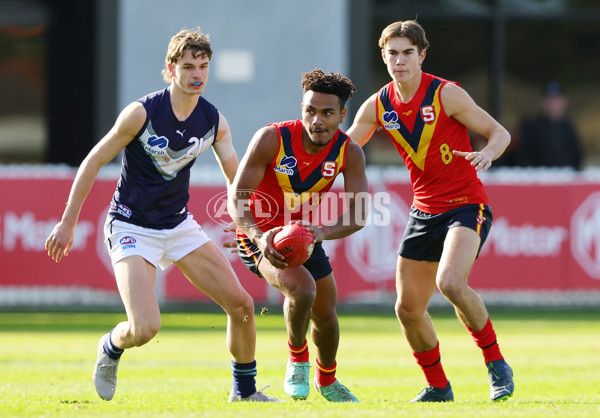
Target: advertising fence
{"points": [[545, 240]]}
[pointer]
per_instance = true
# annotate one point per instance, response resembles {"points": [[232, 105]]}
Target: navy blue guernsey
{"points": [[153, 190]]}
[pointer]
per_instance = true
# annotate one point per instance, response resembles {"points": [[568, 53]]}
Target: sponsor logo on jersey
{"points": [[328, 169], [123, 210], [390, 120], [127, 242], [286, 164], [156, 145]]}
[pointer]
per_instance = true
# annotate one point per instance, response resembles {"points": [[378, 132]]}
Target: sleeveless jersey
{"points": [[153, 190], [295, 180], [425, 136]]}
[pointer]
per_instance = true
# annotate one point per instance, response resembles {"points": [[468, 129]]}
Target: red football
{"points": [[295, 243]]}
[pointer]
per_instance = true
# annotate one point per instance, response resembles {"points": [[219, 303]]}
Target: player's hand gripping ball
{"points": [[295, 243]]}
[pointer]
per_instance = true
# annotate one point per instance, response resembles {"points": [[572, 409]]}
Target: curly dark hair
{"points": [[331, 83]]}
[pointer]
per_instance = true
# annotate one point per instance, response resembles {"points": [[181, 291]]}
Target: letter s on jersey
{"points": [[428, 114], [328, 169]]}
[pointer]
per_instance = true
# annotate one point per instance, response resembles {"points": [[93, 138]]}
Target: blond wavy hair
{"points": [[186, 39]]}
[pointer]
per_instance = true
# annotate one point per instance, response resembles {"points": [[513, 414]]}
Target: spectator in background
{"points": [[550, 138]]}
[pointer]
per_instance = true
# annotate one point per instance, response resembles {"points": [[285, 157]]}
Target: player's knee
{"points": [[406, 313], [144, 333], [324, 318], [246, 303], [241, 300], [302, 295], [241, 303], [451, 289]]}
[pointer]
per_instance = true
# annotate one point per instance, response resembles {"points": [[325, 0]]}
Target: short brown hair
{"points": [[408, 28], [331, 83], [195, 41]]}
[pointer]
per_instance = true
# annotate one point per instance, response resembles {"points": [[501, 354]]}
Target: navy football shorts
{"points": [[425, 232], [318, 264]]}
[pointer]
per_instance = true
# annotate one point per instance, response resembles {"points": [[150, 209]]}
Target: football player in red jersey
{"points": [[292, 164], [427, 118]]}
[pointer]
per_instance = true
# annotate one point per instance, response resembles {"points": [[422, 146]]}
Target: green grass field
{"points": [[46, 362]]}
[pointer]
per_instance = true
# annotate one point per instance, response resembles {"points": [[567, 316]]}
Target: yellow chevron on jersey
{"points": [[415, 141], [302, 183]]}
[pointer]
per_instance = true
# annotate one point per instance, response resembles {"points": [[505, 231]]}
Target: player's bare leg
{"points": [[325, 334], [207, 268], [299, 289], [460, 250], [415, 283], [325, 330], [135, 280]]}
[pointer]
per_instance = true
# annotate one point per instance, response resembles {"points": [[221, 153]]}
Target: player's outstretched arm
{"points": [[365, 122], [128, 124], [356, 188]]}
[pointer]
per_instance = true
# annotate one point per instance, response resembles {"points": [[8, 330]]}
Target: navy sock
{"points": [[244, 383], [110, 349]]}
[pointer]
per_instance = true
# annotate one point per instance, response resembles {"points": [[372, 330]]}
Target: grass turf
{"points": [[46, 362]]}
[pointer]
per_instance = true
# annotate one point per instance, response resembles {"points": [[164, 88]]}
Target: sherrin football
{"points": [[295, 243]]}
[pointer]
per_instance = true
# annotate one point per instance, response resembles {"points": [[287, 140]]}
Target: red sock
{"points": [[486, 340], [299, 355], [325, 375], [431, 364]]}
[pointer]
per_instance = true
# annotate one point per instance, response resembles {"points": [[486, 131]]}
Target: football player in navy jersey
{"points": [[148, 224]]}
